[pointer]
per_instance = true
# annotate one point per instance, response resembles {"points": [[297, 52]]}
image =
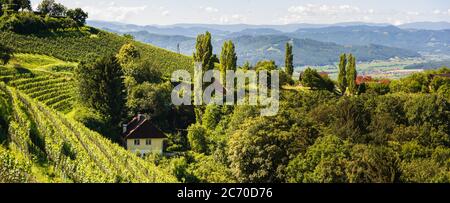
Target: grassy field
{"points": [[42, 63]]}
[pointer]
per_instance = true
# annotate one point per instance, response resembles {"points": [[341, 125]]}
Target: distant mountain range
{"points": [[272, 47], [427, 26], [313, 44]]}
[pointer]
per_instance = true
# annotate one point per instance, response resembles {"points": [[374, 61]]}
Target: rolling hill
{"points": [[53, 148], [38, 141], [426, 41], [423, 37], [426, 26], [257, 47], [78, 47]]}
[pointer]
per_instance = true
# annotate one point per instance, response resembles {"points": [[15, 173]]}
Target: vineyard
{"points": [[54, 90], [77, 153], [83, 47]]}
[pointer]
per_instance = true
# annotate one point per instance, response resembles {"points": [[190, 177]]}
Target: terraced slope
{"points": [[77, 153], [90, 44], [54, 90]]}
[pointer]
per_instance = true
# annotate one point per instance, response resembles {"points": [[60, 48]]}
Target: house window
{"points": [[137, 142], [148, 142]]}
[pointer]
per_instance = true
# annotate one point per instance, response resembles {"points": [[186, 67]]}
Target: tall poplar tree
{"points": [[342, 77], [228, 59], [204, 51], [351, 74], [289, 60]]}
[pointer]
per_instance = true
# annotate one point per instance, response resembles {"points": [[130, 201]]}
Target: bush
{"points": [[324, 162], [377, 88], [23, 23], [311, 78], [95, 121], [5, 54], [197, 136]]}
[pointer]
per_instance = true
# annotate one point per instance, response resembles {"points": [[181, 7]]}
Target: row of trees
{"points": [[18, 16], [347, 74], [14, 6], [228, 59], [50, 7]]}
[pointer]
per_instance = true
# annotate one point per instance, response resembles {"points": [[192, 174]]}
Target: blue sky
{"points": [[164, 12]]}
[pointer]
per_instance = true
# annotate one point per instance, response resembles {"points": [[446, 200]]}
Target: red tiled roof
{"points": [[142, 128]]}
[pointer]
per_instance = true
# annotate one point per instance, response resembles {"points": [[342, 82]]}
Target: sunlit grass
{"points": [[41, 62]]}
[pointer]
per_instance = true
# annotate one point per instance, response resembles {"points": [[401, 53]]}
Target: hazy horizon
{"points": [[337, 23], [262, 12]]}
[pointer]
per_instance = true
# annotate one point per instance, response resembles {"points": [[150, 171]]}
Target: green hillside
{"points": [[70, 150], [90, 43], [54, 90]]}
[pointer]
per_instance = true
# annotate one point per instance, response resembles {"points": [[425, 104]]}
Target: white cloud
{"points": [[323, 9], [437, 12], [327, 13], [233, 19], [165, 13], [209, 9], [316, 13], [112, 12], [440, 12], [413, 13]]}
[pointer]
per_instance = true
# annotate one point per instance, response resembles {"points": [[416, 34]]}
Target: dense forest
{"points": [[64, 124]]}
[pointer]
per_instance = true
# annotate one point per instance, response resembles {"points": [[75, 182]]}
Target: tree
{"points": [[127, 54], [50, 7], [25, 4], [228, 59], [351, 75], [58, 10], [212, 116], [101, 87], [444, 91], [428, 109], [351, 119], [197, 137], [6, 54], [266, 65], [323, 162], [289, 61], [45, 6], [207, 170], [285, 78], [151, 99], [424, 171], [342, 77], [204, 51], [78, 15], [128, 36], [16, 5], [246, 66], [372, 164], [311, 78], [260, 148]]}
